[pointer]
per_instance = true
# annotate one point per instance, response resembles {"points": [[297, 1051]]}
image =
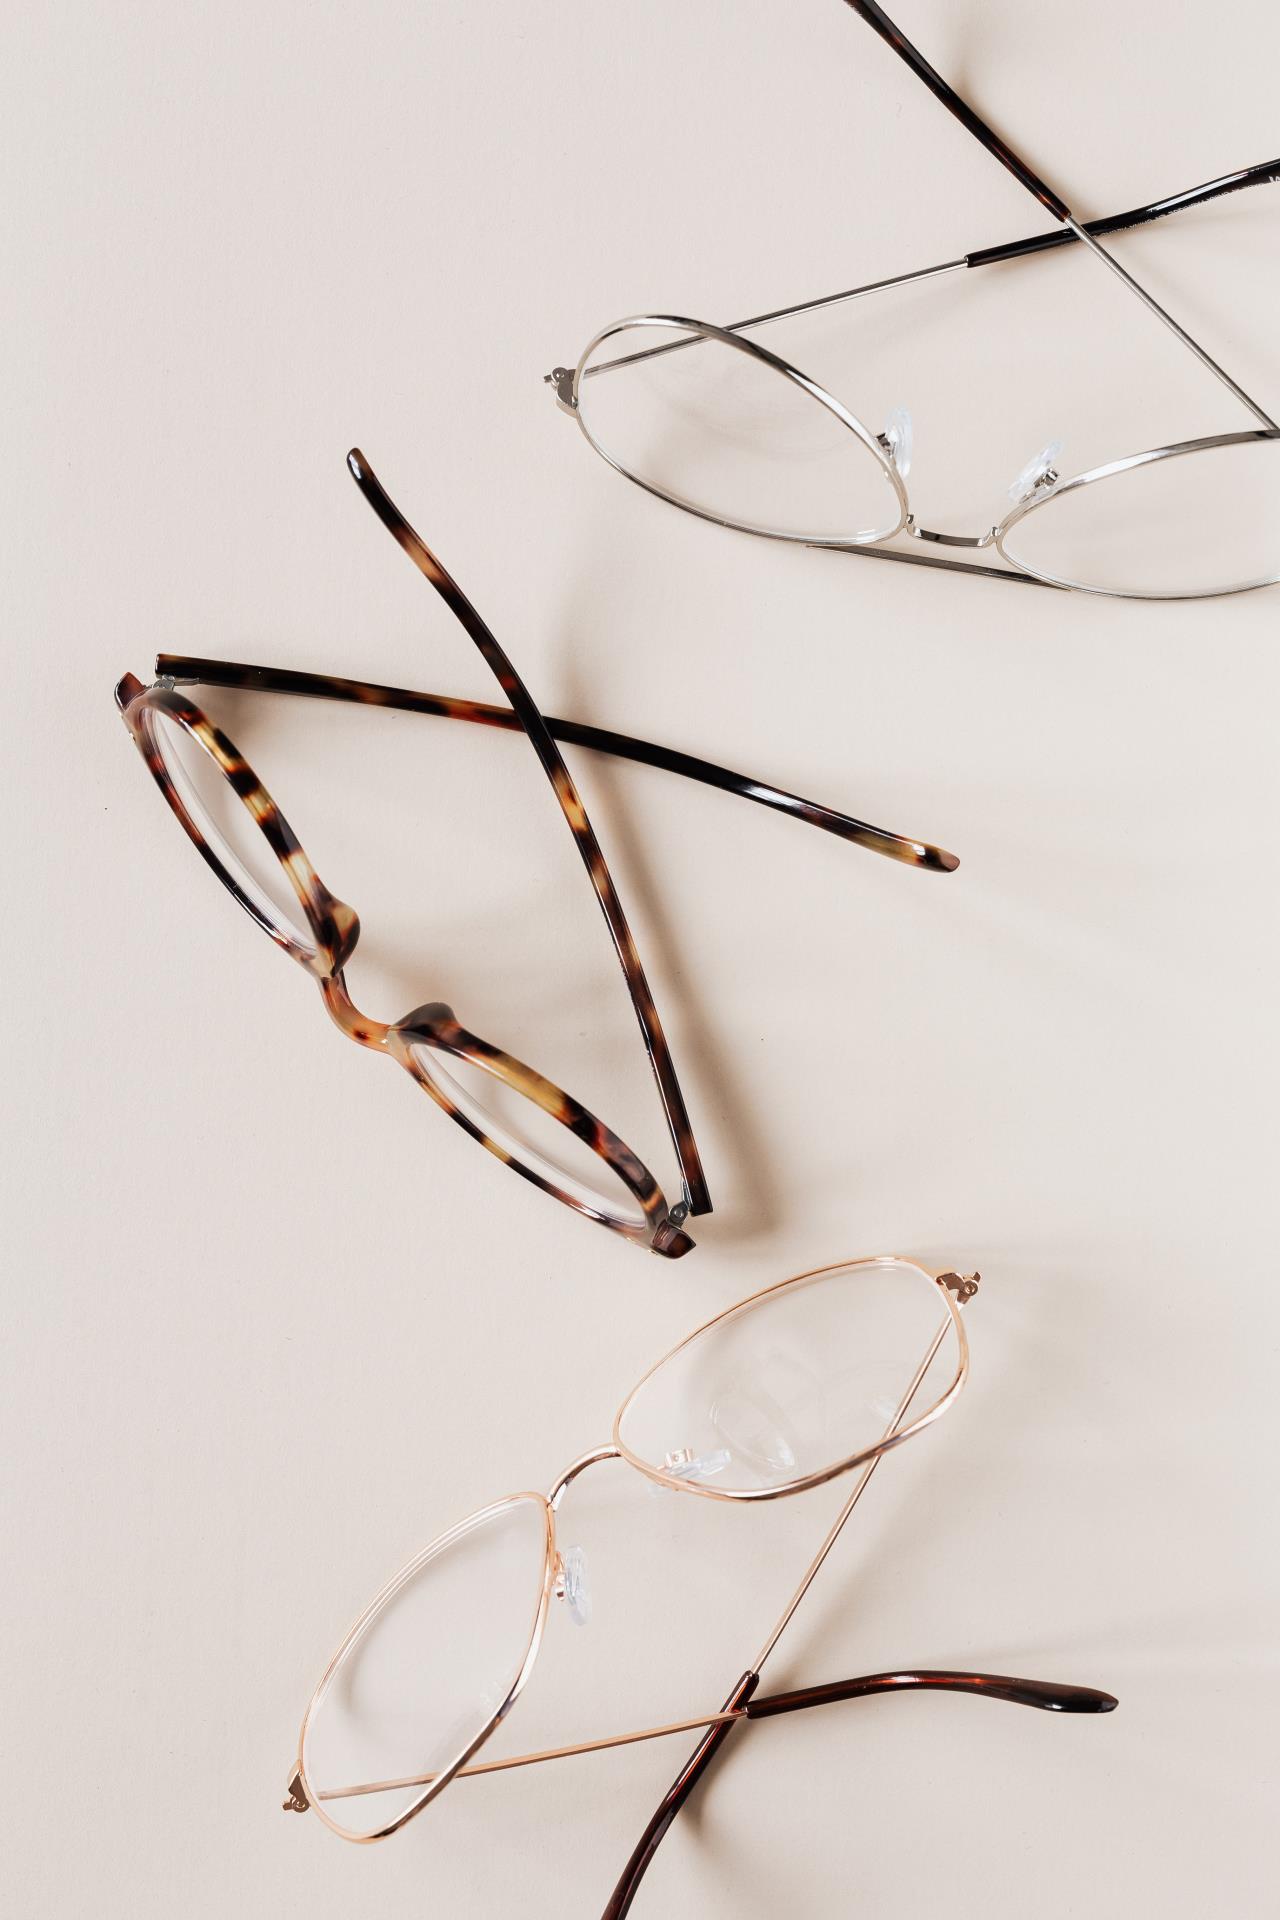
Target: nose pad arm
{"points": [[571, 1584], [1039, 474], [898, 439]]}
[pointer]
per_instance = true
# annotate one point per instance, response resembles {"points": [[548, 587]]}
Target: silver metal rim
{"points": [[707, 331], [1112, 467]]}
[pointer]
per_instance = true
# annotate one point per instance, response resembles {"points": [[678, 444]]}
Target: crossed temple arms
{"points": [[1267, 171], [1046, 1694], [878, 20], [185, 668]]}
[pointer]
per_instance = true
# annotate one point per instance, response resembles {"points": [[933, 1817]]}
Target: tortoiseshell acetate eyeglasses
{"points": [[705, 417], [534, 1126], [811, 1380]]}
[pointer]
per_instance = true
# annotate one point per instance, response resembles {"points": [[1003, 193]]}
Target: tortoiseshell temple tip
{"points": [[938, 860], [358, 466]]}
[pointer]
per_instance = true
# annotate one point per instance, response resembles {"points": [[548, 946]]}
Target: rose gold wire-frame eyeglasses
{"points": [[697, 1423], [557, 1143]]}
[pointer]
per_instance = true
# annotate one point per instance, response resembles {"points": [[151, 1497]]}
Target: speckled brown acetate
{"points": [[333, 927]]}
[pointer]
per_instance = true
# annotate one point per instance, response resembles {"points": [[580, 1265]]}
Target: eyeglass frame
{"points": [[334, 926], [742, 1702], [1042, 488]]}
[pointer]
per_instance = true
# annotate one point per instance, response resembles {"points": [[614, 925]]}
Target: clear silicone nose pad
{"points": [[571, 1585], [681, 1464], [1039, 474], [897, 440]]}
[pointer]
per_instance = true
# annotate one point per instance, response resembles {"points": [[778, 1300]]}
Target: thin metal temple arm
{"points": [[877, 19], [1063, 236], [697, 1197], [1049, 1695], [186, 668], [703, 1754], [1268, 170]]}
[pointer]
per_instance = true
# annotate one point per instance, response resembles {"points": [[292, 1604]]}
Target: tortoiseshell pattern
{"points": [[185, 667], [335, 929]]}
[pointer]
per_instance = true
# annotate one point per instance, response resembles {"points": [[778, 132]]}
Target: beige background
{"points": [[271, 1321]]}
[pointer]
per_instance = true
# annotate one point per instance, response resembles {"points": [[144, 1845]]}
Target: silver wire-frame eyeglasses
{"points": [[739, 436]]}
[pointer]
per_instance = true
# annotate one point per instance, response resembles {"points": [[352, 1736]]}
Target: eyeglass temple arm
{"points": [[187, 668], [698, 1198], [1268, 171], [746, 1704], [877, 19], [1045, 1694]]}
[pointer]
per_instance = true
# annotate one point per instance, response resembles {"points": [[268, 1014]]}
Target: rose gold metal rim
{"points": [[437, 1782], [854, 1460], [954, 1290]]}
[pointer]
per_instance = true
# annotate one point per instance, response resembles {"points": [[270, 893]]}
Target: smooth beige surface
{"points": [[271, 1321]]}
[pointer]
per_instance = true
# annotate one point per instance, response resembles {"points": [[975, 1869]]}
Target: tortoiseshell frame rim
{"points": [[335, 929]]}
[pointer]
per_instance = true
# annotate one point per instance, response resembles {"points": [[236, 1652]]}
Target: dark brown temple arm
{"points": [[878, 19], [1267, 171], [1045, 1694], [322, 686], [672, 1801]]}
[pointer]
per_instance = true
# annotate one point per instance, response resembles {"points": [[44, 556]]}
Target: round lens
{"points": [[713, 427], [227, 827], [795, 1384], [1195, 523], [529, 1134], [429, 1670]]}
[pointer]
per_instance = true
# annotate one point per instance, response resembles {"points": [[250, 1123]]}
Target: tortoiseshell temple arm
{"points": [[1045, 1694], [195, 669], [697, 1197]]}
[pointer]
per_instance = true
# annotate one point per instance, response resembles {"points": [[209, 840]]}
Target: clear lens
{"points": [[1194, 523], [790, 1386], [529, 1134], [711, 427], [429, 1669], [228, 827]]}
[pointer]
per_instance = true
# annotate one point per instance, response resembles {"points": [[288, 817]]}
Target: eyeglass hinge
{"points": [[963, 1285], [562, 378], [295, 1800], [165, 681], [678, 1214]]}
